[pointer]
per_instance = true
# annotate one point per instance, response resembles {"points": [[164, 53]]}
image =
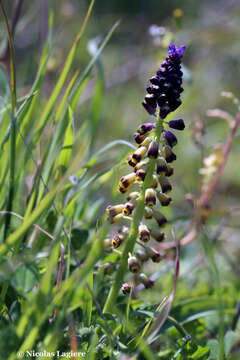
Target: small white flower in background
{"points": [[156, 32]]}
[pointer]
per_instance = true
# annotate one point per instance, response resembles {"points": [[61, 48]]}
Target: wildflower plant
{"points": [[138, 223]]}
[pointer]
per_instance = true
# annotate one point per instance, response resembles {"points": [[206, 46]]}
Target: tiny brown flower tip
{"points": [[153, 254], [106, 266], [150, 197], [140, 175], [165, 184], [133, 196], [139, 154], [126, 288], [158, 235], [142, 255], [154, 184], [152, 152], [128, 208], [159, 217], [143, 233], [113, 210], [133, 264], [169, 154], [148, 283], [142, 165], [127, 180], [148, 214], [163, 198], [161, 166], [156, 257], [139, 137], [131, 161], [117, 240], [170, 171]]}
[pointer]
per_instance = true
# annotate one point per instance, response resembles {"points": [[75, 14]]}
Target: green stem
{"points": [[13, 129], [131, 240], [177, 325]]}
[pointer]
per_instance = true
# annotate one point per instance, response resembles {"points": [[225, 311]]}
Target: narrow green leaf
{"points": [[65, 154], [229, 341]]}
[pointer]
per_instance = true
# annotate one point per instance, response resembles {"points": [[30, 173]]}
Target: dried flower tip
{"points": [[142, 255], [154, 183], [143, 233], [152, 152], [165, 184], [156, 258], [107, 244], [133, 196], [177, 124], [159, 217], [148, 214], [163, 199], [147, 141], [170, 138], [139, 154], [131, 161], [140, 175], [169, 154], [161, 166], [139, 138], [128, 208], [117, 240], [145, 128], [122, 189], [158, 235], [142, 165], [153, 254], [106, 266], [170, 171], [133, 264], [148, 283], [126, 288], [127, 180], [113, 210], [150, 197]]}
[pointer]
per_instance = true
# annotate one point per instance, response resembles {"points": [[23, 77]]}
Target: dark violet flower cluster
{"points": [[155, 152], [165, 88]]}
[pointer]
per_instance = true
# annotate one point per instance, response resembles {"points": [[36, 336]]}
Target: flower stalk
{"points": [[131, 240], [150, 162]]}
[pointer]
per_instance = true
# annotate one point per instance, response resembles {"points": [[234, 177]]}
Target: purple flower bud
{"points": [[152, 152], [139, 137], [150, 104], [145, 128], [177, 124], [171, 138]]}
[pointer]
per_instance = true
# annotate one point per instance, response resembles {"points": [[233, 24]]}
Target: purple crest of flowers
{"points": [[165, 89]]}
